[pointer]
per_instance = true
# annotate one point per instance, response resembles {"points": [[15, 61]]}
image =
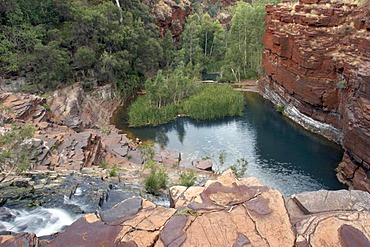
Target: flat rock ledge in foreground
{"points": [[225, 212]]}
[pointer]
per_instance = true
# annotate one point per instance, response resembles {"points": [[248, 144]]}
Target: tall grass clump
{"points": [[214, 101], [187, 178], [156, 180], [142, 113]]}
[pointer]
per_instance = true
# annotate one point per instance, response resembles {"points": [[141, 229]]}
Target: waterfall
{"points": [[120, 11], [41, 221]]}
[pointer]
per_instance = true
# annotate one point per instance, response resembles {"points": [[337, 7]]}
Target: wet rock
{"points": [[123, 210], [21, 183]]}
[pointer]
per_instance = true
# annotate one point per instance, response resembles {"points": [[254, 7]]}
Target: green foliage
{"points": [[105, 129], [279, 107], [341, 84], [156, 180], [147, 151], [244, 54], [103, 164], [214, 101], [53, 43], [141, 112], [114, 171], [170, 88], [240, 167], [16, 149], [47, 107], [211, 102], [188, 211], [191, 50], [187, 178], [222, 157]]}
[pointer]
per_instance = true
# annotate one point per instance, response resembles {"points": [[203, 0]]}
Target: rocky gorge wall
{"points": [[317, 64]]}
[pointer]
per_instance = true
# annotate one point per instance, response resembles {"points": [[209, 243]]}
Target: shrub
{"points": [[104, 165], [147, 151], [187, 178], [240, 167], [105, 129], [156, 180], [222, 157], [113, 172], [47, 107], [17, 150], [279, 107]]}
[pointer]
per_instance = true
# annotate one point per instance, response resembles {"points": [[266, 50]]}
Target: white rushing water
{"points": [[41, 221]]}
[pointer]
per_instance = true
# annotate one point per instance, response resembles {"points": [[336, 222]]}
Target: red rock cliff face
{"points": [[170, 15], [317, 59]]}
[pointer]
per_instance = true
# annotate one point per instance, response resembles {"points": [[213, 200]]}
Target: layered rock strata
{"points": [[317, 64], [72, 133], [225, 212]]}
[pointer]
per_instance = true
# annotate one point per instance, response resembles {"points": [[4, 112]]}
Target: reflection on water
{"points": [[280, 153]]}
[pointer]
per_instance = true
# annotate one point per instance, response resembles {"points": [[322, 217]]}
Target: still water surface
{"points": [[280, 153]]}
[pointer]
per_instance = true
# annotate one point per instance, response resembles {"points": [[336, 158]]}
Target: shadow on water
{"points": [[280, 153]]}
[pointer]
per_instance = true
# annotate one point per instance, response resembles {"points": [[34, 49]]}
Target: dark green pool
{"points": [[280, 153]]}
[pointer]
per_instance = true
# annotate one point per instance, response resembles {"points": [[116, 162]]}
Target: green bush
{"points": [[156, 180], [187, 178], [103, 165], [279, 107], [240, 167], [113, 172]]}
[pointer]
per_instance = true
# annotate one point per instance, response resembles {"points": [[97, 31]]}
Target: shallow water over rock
{"points": [[280, 153], [46, 204]]}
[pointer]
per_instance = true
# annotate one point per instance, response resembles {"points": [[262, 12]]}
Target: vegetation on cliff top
{"points": [[53, 43]]}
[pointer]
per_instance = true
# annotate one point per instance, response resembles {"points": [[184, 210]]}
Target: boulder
{"points": [[203, 164]]}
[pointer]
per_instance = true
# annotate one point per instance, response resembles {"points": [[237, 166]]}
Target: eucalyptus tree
{"points": [[191, 50]]}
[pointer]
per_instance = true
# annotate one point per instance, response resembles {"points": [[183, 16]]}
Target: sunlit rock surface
{"points": [[225, 212]]}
